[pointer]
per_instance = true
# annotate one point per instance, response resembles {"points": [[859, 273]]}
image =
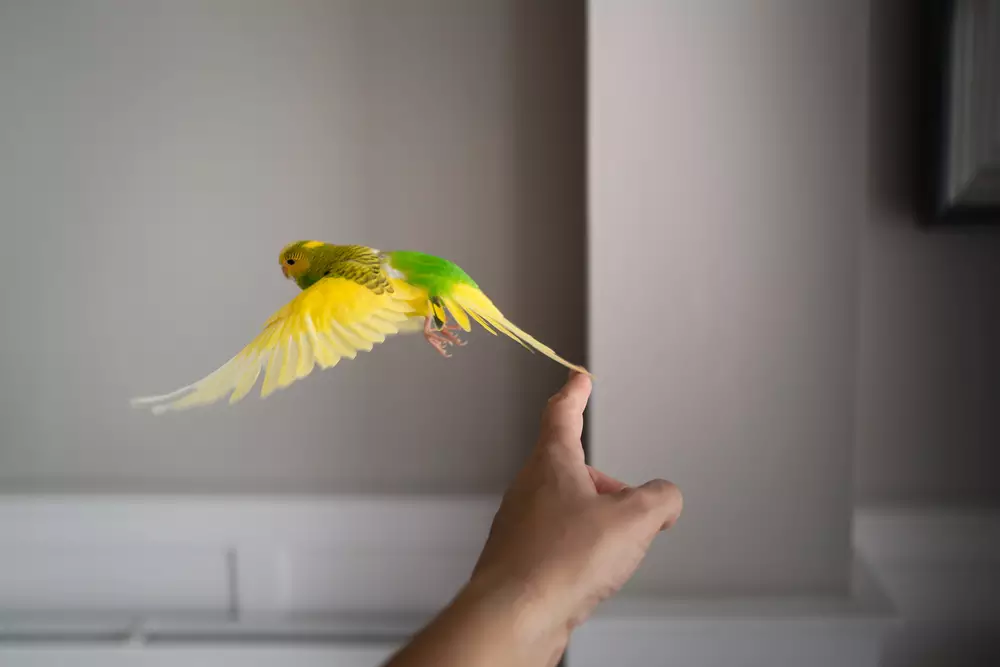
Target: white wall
{"points": [[158, 154], [727, 186]]}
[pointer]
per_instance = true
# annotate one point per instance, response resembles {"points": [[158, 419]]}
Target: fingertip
{"points": [[563, 415], [576, 388], [579, 383]]}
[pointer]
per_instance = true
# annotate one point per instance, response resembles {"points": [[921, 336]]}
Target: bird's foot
{"points": [[438, 338], [448, 331], [439, 343]]}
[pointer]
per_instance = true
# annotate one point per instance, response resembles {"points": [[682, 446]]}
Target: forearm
{"points": [[486, 628]]}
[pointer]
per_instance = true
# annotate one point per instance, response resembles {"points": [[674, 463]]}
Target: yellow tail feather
{"points": [[466, 301]]}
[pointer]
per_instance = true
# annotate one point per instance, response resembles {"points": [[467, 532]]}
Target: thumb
{"points": [[657, 504], [562, 421]]}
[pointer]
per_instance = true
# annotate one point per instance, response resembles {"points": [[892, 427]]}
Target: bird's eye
{"points": [[289, 262]]}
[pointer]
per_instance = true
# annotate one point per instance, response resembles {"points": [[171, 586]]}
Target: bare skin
{"points": [[441, 338], [565, 538]]}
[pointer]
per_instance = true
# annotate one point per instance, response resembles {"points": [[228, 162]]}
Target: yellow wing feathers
{"points": [[332, 320]]}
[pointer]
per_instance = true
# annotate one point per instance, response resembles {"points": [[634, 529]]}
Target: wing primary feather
{"points": [[348, 339], [306, 359], [383, 326], [333, 319], [335, 349], [324, 354], [289, 372], [193, 394], [368, 332], [247, 380], [274, 365], [149, 400]]}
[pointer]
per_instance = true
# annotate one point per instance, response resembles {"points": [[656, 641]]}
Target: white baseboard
{"points": [[238, 555], [838, 631], [935, 564], [941, 569], [926, 592], [928, 537], [83, 655], [141, 580]]}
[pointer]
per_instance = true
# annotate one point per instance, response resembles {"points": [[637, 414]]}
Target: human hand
{"points": [[567, 536]]}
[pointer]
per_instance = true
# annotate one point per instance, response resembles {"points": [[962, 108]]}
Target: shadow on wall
{"points": [[934, 644], [522, 238], [514, 216], [550, 186], [929, 374]]}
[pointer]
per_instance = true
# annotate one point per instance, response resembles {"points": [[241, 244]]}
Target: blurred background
{"points": [[713, 205], [158, 156]]}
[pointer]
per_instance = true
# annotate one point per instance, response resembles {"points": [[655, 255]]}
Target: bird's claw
{"points": [[448, 332], [438, 343], [441, 338]]}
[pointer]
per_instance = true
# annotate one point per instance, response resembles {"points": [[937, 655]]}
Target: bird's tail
{"points": [[466, 301]]}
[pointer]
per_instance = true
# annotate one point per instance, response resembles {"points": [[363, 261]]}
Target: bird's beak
{"points": [[284, 271]]}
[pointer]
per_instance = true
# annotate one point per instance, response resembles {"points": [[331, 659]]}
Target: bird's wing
{"points": [[333, 319]]}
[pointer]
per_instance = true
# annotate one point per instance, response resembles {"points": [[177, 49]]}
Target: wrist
{"points": [[522, 614]]}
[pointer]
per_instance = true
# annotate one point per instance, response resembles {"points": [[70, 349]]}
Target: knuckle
{"points": [[647, 499], [674, 501], [660, 486], [660, 492], [669, 489]]}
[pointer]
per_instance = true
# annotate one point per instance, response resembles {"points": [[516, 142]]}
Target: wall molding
{"points": [[133, 576], [814, 631], [928, 536], [941, 568], [238, 556], [196, 656], [253, 581]]}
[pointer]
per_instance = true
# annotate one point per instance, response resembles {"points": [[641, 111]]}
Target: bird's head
{"points": [[296, 260]]}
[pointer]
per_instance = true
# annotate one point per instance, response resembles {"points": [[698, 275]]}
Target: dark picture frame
{"points": [[959, 55]]}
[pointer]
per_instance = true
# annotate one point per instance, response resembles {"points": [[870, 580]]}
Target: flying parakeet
{"points": [[352, 297]]}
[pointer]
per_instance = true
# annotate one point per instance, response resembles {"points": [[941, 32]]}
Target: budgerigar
{"points": [[352, 298]]}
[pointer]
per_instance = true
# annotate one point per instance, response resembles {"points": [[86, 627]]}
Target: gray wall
{"points": [[727, 190], [158, 154], [929, 379]]}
